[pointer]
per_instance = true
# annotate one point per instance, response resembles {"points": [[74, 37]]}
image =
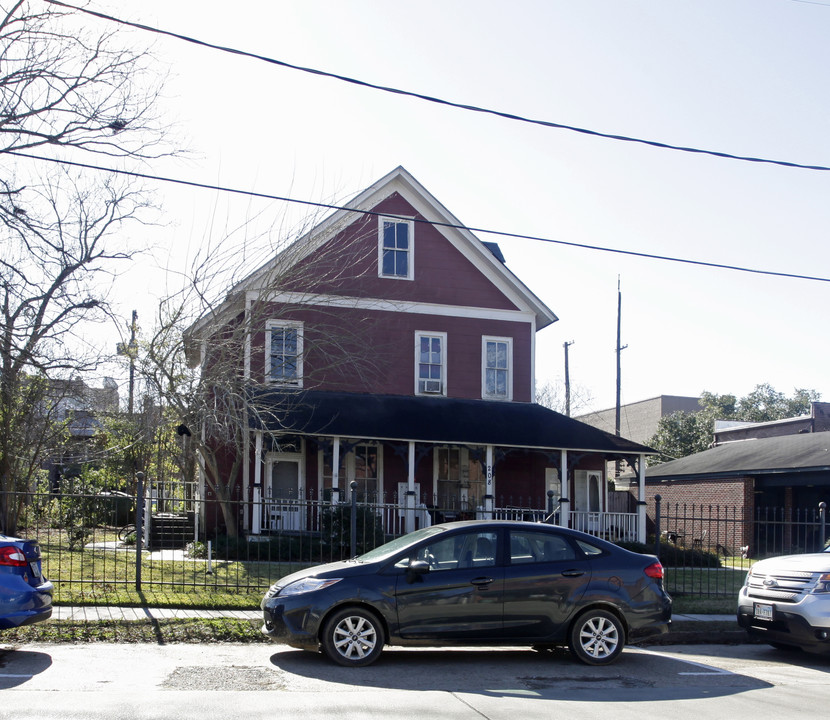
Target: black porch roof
{"points": [[432, 420]]}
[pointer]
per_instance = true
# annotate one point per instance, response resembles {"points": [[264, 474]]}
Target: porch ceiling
{"points": [[432, 420]]}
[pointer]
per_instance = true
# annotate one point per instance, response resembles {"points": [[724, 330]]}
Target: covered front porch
{"points": [[422, 460]]}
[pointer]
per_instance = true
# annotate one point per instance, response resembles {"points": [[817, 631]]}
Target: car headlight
{"points": [[308, 585], [823, 584]]}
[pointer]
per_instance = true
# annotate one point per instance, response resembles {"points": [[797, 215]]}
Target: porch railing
{"points": [[305, 515]]}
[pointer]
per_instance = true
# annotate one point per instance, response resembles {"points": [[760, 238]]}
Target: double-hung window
{"points": [[497, 368], [395, 248], [430, 363], [284, 353]]}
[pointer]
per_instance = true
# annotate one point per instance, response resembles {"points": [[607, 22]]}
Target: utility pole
{"points": [[620, 348], [131, 351], [566, 345]]}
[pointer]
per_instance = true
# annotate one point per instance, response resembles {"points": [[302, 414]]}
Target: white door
{"points": [[588, 499], [283, 507]]}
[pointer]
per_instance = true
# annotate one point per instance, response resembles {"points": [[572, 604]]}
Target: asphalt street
{"points": [[232, 681]]}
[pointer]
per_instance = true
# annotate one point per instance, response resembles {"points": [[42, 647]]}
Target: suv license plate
{"points": [[763, 612]]}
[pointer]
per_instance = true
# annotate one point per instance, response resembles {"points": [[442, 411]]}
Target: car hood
{"points": [[809, 562], [333, 569]]}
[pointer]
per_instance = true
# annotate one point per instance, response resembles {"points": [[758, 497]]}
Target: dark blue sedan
{"points": [[474, 582], [25, 595]]}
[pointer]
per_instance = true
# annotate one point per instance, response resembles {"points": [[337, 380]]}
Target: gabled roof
{"points": [[436, 420], [762, 456], [398, 181]]}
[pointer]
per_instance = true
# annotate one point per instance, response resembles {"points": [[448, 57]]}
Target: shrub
{"points": [[337, 529], [676, 556]]}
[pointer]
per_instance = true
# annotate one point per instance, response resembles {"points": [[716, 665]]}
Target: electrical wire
{"points": [[478, 230], [440, 101]]}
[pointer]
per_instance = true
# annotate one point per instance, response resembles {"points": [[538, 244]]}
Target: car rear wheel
{"points": [[352, 637], [597, 637]]}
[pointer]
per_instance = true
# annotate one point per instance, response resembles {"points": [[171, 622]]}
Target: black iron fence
{"points": [[708, 549], [110, 540]]}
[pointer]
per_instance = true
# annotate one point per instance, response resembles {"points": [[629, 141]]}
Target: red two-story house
{"points": [[391, 354]]}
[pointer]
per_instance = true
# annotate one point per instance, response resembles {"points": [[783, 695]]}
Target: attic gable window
{"points": [[284, 353], [395, 248]]}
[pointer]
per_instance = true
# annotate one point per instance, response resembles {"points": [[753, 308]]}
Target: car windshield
{"points": [[401, 543]]}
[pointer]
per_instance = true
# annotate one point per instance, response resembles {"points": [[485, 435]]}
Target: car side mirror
{"points": [[416, 569]]}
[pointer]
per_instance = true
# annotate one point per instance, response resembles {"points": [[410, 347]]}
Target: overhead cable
{"points": [[468, 228], [436, 100]]}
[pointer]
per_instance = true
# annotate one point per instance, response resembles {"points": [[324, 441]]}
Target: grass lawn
{"points": [[104, 573]]}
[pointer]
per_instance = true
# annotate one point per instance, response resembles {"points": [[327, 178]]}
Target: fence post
{"points": [[353, 535], [657, 500], [139, 526], [822, 515]]}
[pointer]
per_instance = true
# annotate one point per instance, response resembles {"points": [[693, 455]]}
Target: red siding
{"points": [[442, 275], [382, 350]]}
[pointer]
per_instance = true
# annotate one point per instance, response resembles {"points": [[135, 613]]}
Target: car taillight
{"points": [[13, 556], [655, 570]]}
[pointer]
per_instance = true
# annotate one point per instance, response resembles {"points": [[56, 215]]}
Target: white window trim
{"points": [[410, 267], [283, 324], [484, 340], [422, 334]]}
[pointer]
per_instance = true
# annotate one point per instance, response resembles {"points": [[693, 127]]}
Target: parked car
{"points": [[786, 601], [25, 595], [474, 583]]}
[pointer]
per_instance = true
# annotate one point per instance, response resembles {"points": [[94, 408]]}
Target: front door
{"points": [[588, 499], [283, 510]]}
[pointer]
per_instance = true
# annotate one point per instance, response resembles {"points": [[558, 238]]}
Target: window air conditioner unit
{"points": [[432, 386]]}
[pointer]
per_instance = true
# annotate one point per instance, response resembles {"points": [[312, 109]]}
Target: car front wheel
{"points": [[597, 637], [352, 637]]}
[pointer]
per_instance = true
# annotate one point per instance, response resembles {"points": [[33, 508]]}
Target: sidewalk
{"points": [[92, 613]]}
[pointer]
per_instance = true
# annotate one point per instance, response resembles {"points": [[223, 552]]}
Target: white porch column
{"points": [[641, 497], [256, 524], [335, 470], [409, 514], [565, 503], [248, 523], [246, 483], [490, 487]]}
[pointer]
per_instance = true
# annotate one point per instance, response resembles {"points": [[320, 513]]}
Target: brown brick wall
{"points": [[711, 514]]}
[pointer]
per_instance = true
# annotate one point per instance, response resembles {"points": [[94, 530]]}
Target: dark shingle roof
{"points": [[809, 451], [436, 420]]}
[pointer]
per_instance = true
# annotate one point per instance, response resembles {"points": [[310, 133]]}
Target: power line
{"points": [[440, 101], [500, 233]]}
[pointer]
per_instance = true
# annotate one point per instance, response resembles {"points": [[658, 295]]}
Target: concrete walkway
{"points": [[93, 613]]}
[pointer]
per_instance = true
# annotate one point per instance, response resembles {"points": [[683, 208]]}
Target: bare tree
{"points": [[199, 360], [54, 272], [62, 85], [552, 396]]}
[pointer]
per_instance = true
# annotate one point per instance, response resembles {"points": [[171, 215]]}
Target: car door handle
{"points": [[573, 573], [481, 581]]}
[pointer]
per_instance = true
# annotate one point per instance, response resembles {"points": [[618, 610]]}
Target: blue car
{"points": [[25, 595]]}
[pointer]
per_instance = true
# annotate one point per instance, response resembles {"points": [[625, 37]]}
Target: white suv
{"points": [[786, 601]]}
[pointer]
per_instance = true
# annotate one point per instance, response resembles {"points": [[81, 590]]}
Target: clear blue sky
{"points": [[748, 77]]}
